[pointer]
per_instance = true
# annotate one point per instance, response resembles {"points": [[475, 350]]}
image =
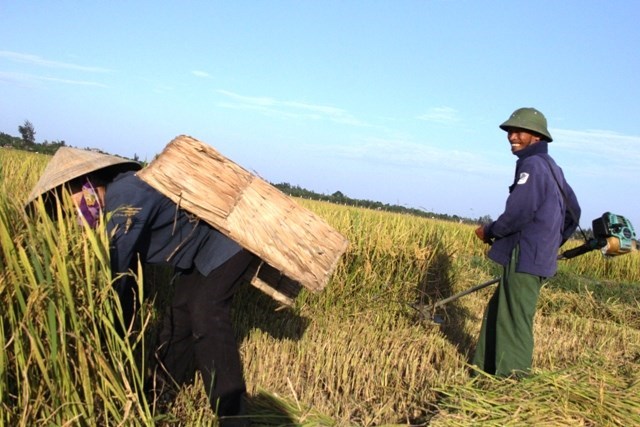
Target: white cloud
{"points": [[41, 62], [22, 78], [599, 152], [163, 88], [289, 109], [202, 74], [443, 115], [408, 154]]}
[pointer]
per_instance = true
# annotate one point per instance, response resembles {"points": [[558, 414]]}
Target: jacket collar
{"points": [[541, 147]]}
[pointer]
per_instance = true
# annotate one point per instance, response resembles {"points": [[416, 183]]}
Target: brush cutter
{"points": [[613, 235], [428, 312]]}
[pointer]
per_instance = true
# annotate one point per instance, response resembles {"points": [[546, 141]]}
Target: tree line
{"points": [[339, 198], [27, 142]]}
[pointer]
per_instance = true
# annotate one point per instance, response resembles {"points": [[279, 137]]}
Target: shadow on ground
{"points": [[434, 286]]}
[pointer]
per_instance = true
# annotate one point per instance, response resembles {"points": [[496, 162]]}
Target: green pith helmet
{"points": [[528, 119]]}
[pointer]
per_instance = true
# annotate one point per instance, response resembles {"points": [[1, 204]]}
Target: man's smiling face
{"points": [[521, 139]]}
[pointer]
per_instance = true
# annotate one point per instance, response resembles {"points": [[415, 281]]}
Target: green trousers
{"points": [[505, 346]]}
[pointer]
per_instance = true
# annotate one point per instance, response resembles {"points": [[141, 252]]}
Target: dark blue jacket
{"points": [[535, 216], [147, 226]]}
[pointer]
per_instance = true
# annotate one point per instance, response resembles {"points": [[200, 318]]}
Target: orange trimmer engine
{"points": [[612, 234]]}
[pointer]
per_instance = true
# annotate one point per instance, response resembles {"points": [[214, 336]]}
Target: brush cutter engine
{"points": [[612, 234]]}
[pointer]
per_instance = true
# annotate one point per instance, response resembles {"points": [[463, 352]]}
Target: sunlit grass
{"points": [[354, 354], [590, 394]]}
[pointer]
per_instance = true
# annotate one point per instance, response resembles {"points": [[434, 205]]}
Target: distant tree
{"points": [[485, 220], [28, 133], [338, 197], [6, 140], [49, 147]]}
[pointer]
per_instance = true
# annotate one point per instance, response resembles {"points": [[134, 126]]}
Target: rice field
{"points": [[356, 354]]}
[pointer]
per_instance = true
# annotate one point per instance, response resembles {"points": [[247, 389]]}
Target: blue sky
{"points": [[395, 101]]}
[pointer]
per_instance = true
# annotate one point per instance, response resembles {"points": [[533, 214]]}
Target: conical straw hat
{"points": [[69, 163]]}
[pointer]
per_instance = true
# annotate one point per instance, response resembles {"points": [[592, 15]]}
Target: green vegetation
{"points": [[353, 354], [339, 198], [27, 141]]}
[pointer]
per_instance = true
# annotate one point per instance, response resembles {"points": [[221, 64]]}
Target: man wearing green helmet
{"points": [[540, 214]]}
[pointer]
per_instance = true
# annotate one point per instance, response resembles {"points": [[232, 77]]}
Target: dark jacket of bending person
{"points": [[147, 227]]}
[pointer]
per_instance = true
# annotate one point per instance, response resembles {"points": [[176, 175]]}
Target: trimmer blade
{"points": [[437, 319]]}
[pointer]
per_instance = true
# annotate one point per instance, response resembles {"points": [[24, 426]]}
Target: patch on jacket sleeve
{"points": [[523, 178]]}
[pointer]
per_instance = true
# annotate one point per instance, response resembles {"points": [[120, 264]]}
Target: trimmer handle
{"points": [[590, 245]]}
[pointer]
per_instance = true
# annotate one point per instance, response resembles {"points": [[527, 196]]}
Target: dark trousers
{"points": [[197, 333], [505, 346]]}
